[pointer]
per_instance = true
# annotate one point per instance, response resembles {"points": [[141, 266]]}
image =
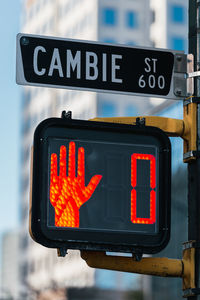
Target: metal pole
{"points": [[194, 166]]}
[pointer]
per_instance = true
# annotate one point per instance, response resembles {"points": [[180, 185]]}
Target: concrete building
{"points": [[132, 22], [10, 266], [169, 27], [169, 30], [125, 22]]}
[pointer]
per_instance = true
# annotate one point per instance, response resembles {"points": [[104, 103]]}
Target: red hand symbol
{"points": [[68, 193]]}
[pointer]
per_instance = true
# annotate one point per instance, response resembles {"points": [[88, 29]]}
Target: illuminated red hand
{"points": [[68, 193]]}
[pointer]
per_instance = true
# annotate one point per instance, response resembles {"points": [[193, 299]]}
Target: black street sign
{"points": [[72, 64]]}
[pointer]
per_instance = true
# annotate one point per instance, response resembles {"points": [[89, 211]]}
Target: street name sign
{"points": [[72, 64]]}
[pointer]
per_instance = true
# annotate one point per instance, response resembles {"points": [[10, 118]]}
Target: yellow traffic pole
{"points": [[173, 127], [157, 266]]}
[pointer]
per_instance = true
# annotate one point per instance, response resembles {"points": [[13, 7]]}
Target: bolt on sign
{"points": [[73, 64], [100, 186]]}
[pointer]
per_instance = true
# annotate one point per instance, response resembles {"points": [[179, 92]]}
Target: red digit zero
{"points": [[134, 218]]}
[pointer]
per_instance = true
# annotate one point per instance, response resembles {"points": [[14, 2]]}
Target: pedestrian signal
{"points": [[100, 186]]}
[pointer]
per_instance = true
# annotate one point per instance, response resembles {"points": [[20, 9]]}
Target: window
{"points": [[153, 16], [130, 43], [131, 19], [109, 16], [107, 279], [110, 41], [130, 111], [178, 43], [106, 109], [177, 14], [24, 271]]}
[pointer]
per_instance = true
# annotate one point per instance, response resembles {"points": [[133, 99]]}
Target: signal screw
{"points": [[179, 58], [178, 92], [24, 41]]}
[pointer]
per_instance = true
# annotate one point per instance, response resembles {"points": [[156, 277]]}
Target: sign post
{"points": [[194, 165]]}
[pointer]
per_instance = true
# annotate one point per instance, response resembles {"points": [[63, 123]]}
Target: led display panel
{"points": [[100, 186]]}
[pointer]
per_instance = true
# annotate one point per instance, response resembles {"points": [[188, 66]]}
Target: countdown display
{"points": [[100, 186]]}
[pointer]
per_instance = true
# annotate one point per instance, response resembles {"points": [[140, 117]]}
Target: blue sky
{"points": [[9, 116]]}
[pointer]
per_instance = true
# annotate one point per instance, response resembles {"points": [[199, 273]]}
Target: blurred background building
{"points": [[10, 265], [151, 23]]}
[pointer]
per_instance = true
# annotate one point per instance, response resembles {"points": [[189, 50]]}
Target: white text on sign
{"points": [[151, 80], [73, 63]]}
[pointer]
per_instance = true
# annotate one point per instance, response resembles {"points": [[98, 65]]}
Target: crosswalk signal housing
{"points": [[100, 186]]}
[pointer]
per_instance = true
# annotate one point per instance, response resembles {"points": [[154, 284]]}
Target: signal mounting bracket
{"points": [[186, 128], [157, 266]]}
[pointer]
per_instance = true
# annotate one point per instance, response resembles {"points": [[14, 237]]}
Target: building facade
{"points": [[123, 22], [170, 30], [10, 285], [169, 27]]}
